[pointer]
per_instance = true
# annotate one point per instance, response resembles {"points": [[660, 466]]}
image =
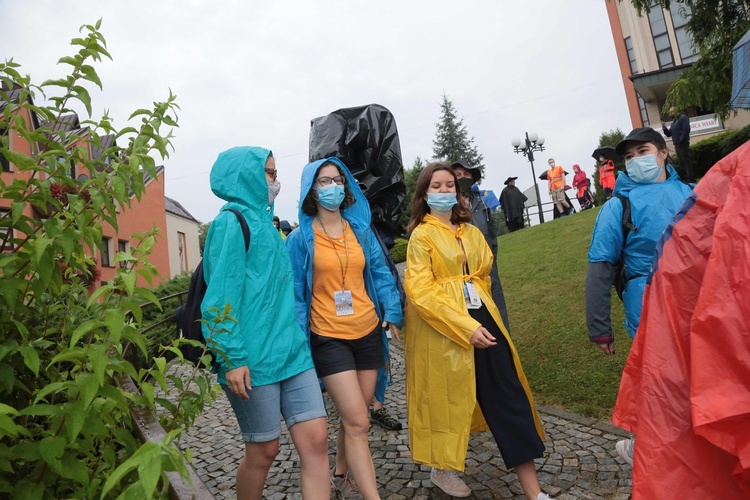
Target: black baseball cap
{"points": [[476, 174], [643, 134]]}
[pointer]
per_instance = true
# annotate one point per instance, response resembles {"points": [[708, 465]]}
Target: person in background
{"points": [[266, 368], [481, 218], [679, 131], [463, 374], [581, 184], [556, 183], [607, 176], [513, 202], [346, 298], [654, 193], [277, 225]]}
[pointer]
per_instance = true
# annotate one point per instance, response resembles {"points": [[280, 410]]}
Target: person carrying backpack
{"points": [[652, 192], [263, 361]]}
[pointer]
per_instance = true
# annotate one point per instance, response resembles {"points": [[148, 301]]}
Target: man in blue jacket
{"points": [[679, 131]]}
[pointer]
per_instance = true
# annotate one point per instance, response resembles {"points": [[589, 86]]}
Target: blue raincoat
{"points": [[380, 284], [258, 283], [652, 207]]}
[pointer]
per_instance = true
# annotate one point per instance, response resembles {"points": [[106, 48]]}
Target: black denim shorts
{"points": [[332, 355]]}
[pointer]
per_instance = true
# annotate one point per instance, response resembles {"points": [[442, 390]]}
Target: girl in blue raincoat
{"points": [[264, 364], [345, 295]]}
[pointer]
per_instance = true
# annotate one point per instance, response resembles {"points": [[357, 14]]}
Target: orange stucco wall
{"points": [[622, 59], [140, 217]]}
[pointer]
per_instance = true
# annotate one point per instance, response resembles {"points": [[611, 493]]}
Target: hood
{"points": [[625, 184], [358, 213], [238, 176], [576, 168]]}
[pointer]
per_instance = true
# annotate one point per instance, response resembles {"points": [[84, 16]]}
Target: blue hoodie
{"points": [[652, 207], [257, 283], [380, 284]]}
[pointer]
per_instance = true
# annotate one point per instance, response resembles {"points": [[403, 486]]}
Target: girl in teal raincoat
{"points": [[264, 364]]}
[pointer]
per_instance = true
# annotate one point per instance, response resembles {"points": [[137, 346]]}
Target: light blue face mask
{"points": [[441, 202], [643, 169], [331, 196]]}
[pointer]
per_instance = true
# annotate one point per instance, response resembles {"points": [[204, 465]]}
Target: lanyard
{"points": [[344, 270], [466, 258]]}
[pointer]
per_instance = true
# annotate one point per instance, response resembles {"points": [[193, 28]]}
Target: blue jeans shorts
{"points": [[297, 398]]}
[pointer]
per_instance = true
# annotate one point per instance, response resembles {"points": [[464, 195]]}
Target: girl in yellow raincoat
{"points": [[463, 374]]}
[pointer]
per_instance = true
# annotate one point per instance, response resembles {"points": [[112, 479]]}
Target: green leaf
{"points": [[9, 428], [83, 329], [75, 416], [147, 450], [7, 410], [73, 468], [88, 386], [128, 279], [30, 358], [41, 409], [99, 359], [149, 471], [51, 449], [90, 74], [73, 61], [138, 112], [70, 354], [83, 95], [115, 319]]}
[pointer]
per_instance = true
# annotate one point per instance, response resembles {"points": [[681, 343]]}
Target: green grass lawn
{"points": [[543, 272]]}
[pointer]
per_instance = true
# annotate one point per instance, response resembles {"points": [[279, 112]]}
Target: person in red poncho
{"points": [[581, 184], [607, 176], [685, 391]]}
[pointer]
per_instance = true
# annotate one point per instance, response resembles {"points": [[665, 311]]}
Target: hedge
{"points": [[706, 153]]}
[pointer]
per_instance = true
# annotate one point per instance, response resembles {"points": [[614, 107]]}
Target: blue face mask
{"points": [[331, 196], [643, 169], [441, 202]]}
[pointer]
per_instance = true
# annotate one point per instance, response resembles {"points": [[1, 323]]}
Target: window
{"points": [[4, 230], [106, 252], [182, 248], [123, 246], [644, 114], [680, 17], [631, 56], [661, 37], [3, 160]]}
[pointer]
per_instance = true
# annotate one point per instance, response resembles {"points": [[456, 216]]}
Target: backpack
{"points": [[188, 315], [627, 225]]}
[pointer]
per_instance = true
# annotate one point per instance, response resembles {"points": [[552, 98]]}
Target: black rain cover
{"points": [[366, 140]]}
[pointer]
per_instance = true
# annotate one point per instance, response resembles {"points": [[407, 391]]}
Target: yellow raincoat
{"points": [[440, 382]]}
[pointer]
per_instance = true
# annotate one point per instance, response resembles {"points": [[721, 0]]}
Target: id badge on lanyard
{"points": [[471, 296], [344, 303]]}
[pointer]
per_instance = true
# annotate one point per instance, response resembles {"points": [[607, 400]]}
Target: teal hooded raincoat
{"points": [[380, 284], [258, 283]]}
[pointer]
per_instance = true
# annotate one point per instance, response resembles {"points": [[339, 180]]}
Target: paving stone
{"points": [[580, 460]]}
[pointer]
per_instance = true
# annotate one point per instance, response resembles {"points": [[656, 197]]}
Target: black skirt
{"points": [[502, 398]]}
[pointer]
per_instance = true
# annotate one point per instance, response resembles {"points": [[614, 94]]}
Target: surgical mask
{"points": [[643, 169], [331, 196], [273, 191], [441, 202]]}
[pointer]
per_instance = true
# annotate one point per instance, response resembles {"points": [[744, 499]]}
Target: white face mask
{"points": [[273, 191], [643, 169]]}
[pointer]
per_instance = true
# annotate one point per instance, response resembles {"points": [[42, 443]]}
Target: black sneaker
{"points": [[384, 420]]}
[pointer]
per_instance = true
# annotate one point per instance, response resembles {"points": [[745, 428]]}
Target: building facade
{"points": [[653, 51], [140, 216]]}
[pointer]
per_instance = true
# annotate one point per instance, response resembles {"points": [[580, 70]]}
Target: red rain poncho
{"points": [[685, 391]]}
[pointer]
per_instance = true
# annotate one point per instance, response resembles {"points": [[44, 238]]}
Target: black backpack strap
{"points": [[243, 225], [627, 218]]}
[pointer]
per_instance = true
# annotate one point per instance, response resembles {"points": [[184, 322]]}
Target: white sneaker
{"points": [[450, 483], [543, 496], [624, 448]]}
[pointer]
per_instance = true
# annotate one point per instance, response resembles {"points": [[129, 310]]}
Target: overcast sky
{"points": [[255, 73]]}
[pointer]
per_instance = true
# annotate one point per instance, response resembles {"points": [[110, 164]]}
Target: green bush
{"points": [[164, 334], [398, 252], [706, 153], [65, 424]]}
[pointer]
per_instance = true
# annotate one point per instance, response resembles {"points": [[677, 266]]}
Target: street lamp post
{"points": [[533, 142]]}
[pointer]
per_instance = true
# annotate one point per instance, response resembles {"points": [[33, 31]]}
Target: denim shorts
{"points": [[297, 399]]}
